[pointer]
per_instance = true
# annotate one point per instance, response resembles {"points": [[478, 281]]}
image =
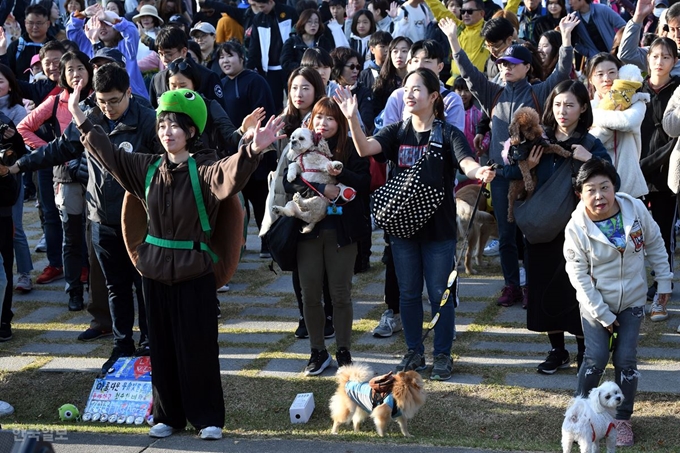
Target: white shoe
{"points": [[41, 247], [5, 409], [491, 248], [678, 331], [24, 283], [658, 313], [223, 289], [522, 277], [161, 430], [210, 433]]}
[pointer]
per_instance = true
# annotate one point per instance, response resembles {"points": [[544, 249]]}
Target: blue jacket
{"points": [[607, 22]]}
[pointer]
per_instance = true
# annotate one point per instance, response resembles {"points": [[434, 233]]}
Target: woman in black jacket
{"points": [[220, 133], [309, 33], [331, 246]]}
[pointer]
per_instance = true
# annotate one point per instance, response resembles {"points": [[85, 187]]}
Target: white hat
{"points": [[204, 27], [148, 10]]}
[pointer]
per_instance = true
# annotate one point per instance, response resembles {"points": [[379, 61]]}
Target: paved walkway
{"points": [[260, 315]]}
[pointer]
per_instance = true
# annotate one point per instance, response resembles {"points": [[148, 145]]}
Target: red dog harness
{"points": [[609, 428]]}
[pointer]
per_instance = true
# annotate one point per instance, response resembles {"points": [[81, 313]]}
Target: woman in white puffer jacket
{"points": [[618, 130]]}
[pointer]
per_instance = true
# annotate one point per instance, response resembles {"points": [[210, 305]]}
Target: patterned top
{"points": [[613, 229]]}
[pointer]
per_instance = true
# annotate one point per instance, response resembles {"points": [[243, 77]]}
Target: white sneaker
{"points": [[24, 283], [210, 433], [389, 323], [5, 409], [491, 248], [41, 247], [658, 313], [223, 289], [161, 430], [522, 277], [678, 331]]}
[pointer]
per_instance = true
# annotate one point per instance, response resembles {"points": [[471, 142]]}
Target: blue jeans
{"points": [[120, 275], [507, 231], [52, 221], [433, 261], [624, 357], [22, 253]]}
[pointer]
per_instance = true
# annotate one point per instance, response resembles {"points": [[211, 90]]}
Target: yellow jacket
{"points": [[471, 40]]}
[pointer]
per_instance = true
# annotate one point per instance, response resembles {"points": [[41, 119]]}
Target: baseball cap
{"points": [[184, 101], [243, 4], [34, 60], [516, 54], [110, 54], [204, 27], [659, 6], [178, 19]]}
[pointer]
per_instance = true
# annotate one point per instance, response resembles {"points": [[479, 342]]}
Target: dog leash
{"points": [[453, 276]]}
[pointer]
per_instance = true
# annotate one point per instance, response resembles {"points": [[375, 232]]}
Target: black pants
{"points": [[120, 275], [662, 206], [7, 250], [184, 352]]}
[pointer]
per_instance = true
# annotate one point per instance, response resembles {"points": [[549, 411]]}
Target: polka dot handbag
{"points": [[407, 201]]}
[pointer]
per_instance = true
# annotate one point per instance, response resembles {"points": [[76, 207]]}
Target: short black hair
{"points": [[181, 66], [595, 167], [497, 29], [341, 55], [460, 84], [303, 5], [380, 37], [110, 77], [38, 10], [171, 38], [196, 49], [185, 123], [68, 45], [233, 47], [479, 4], [51, 45], [316, 56], [432, 49]]}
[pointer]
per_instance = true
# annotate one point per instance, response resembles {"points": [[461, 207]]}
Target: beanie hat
{"points": [[185, 101]]}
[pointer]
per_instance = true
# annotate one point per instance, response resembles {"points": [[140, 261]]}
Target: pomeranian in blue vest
{"points": [[360, 394]]}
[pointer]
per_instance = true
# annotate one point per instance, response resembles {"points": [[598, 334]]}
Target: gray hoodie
{"points": [[515, 95]]}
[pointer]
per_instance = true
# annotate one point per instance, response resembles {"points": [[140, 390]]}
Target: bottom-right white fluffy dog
{"points": [[589, 420]]}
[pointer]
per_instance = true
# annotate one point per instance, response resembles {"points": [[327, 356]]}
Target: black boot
{"points": [[75, 300]]}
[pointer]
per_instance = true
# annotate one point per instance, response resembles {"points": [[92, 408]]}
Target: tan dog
{"points": [[355, 399], [484, 226], [309, 158], [525, 133]]}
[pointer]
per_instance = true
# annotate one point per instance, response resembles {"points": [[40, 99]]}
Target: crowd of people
{"points": [[185, 105]]}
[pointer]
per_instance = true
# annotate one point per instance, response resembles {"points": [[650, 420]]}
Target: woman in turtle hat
{"points": [[181, 192]]}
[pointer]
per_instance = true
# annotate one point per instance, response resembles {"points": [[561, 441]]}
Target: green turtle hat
{"points": [[185, 101]]}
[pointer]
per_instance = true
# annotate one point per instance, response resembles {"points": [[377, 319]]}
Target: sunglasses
{"points": [[352, 67], [468, 11], [177, 66]]}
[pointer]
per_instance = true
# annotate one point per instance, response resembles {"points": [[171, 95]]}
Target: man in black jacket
{"points": [[132, 127], [271, 27], [172, 44], [19, 53]]}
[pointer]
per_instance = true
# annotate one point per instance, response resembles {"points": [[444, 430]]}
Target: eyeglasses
{"points": [[113, 103], [313, 22], [35, 24], [178, 65], [353, 67], [468, 11], [497, 47]]}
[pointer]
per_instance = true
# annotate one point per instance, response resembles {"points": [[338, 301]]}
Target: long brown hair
{"points": [[328, 107], [292, 116]]}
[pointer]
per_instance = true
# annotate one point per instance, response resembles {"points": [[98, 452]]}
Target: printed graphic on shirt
{"points": [[571, 256], [613, 229], [636, 236], [127, 147], [409, 154]]}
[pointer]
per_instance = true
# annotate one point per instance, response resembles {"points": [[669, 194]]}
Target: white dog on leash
{"points": [[589, 420], [310, 158]]}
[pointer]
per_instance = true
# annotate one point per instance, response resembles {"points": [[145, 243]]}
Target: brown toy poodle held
{"points": [[525, 133]]}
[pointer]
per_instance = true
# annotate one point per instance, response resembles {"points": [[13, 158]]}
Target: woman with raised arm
{"points": [[429, 253], [181, 192], [500, 102]]}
